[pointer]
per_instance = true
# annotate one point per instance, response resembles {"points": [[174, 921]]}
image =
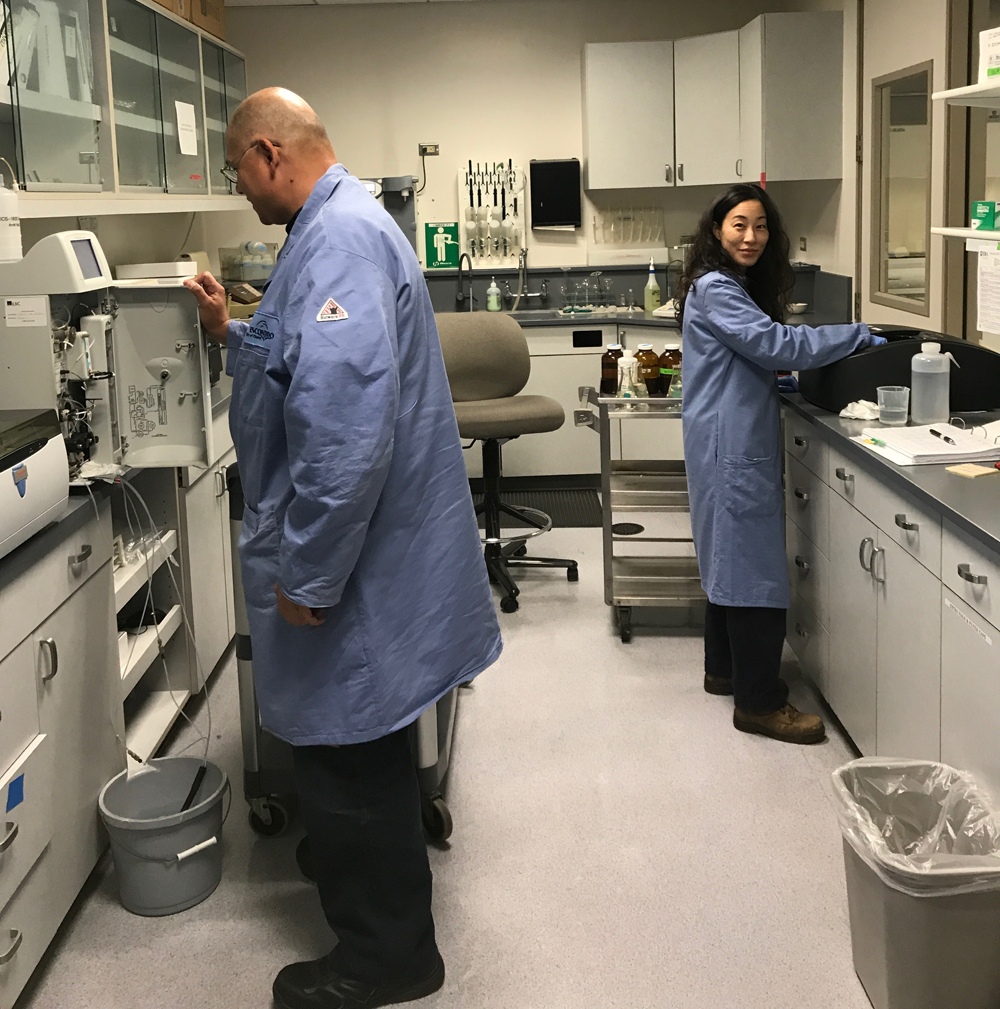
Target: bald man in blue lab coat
{"points": [[366, 589]]}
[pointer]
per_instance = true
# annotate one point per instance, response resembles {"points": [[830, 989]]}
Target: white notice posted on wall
{"points": [[187, 128], [988, 300]]}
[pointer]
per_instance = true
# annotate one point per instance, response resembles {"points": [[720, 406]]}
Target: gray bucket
{"points": [[166, 860]]}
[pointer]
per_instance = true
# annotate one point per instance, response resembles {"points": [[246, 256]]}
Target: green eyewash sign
{"points": [[441, 245]]}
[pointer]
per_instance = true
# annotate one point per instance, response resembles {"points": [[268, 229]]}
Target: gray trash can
{"points": [[922, 856]]}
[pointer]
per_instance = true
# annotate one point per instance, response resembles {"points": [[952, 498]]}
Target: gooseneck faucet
{"points": [[460, 295], [522, 284]]}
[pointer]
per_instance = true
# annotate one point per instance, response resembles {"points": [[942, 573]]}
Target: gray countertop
{"points": [[972, 505], [533, 318]]}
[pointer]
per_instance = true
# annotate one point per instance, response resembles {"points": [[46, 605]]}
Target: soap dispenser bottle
{"points": [[651, 294], [930, 382], [493, 297]]}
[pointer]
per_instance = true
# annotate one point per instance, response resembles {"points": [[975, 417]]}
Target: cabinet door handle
{"points": [[8, 839], [49, 644], [800, 441], [680, 172], [866, 564], [903, 524], [667, 174], [739, 168], [967, 575], [801, 562], [880, 552], [220, 483], [801, 631], [15, 945], [842, 474], [85, 551], [801, 494]]}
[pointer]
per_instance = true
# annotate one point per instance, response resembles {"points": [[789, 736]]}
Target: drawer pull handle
{"points": [[880, 552], [842, 474], [866, 564], [967, 575], [903, 524], [801, 494], [15, 945], [8, 839], [801, 562], [85, 551], [800, 441], [49, 644], [801, 631]]}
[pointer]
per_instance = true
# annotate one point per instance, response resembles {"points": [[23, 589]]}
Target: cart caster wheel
{"points": [[508, 604], [520, 551], [279, 820], [573, 574], [625, 624], [437, 819]]}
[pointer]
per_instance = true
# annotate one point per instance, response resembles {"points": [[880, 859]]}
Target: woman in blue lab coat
{"points": [[731, 301]]}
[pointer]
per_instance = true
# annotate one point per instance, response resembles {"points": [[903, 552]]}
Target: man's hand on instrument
{"points": [[296, 615], [211, 298]]}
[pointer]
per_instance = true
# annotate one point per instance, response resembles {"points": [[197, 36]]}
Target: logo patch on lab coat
{"points": [[331, 312]]}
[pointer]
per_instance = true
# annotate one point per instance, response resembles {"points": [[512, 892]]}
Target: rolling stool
{"points": [[486, 356]]}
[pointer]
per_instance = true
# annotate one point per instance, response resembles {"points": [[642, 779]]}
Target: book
{"points": [[928, 444]]}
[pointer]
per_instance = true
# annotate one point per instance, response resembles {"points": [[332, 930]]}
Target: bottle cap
{"points": [[645, 346], [629, 352], [930, 348], [671, 346], [614, 346]]}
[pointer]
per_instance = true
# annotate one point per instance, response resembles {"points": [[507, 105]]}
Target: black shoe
{"points": [[314, 984], [303, 856], [718, 685]]}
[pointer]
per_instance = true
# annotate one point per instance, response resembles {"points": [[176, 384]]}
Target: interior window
{"points": [[901, 208]]}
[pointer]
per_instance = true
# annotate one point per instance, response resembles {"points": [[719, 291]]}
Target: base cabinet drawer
{"points": [[27, 817], [970, 692], [18, 702], [805, 444], [810, 641], [971, 571], [27, 926], [807, 503], [808, 571]]}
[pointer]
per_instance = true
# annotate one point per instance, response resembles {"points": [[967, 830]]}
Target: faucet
{"points": [[522, 275], [460, 295]]}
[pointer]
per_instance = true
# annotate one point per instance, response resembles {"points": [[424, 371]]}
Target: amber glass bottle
{"points": [[649, 369], [670, 367], [609, 369]]}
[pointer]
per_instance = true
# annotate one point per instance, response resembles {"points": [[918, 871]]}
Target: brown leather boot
{"points": [[787, 724]]}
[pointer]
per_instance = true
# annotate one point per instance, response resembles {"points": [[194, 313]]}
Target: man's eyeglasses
{"points": [[231, 168]]}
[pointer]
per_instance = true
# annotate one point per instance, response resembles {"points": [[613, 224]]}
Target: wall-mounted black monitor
{"points": [[555, 194]]}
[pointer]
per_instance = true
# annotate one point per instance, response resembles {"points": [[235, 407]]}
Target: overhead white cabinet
{"points": [[791, 97], [628, 115], [707, 109]]}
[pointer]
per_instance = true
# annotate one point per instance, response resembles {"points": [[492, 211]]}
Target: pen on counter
{"points": [[943, 437]]}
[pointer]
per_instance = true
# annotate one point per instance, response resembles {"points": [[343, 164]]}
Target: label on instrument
{"points": [[23, 312]]}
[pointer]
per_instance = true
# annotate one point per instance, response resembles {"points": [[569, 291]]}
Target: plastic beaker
{"points": [[893, 404]]}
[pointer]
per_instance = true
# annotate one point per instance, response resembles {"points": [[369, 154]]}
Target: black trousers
{"points": [[743, 643], [361, 805]]}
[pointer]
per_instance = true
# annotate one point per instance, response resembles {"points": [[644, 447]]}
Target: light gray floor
{"points": [[617, 844]]}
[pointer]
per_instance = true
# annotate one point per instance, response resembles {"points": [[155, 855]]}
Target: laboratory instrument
{"points": [[652, 492], [123, 362], [974, 386], [930, 381], [32, 451]]}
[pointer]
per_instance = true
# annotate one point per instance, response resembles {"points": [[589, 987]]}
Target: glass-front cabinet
{"points": [[225, 88], [181, 109], [55, 103]]}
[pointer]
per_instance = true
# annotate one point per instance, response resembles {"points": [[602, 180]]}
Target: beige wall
{"points": [[901, 34], [497, 80]]}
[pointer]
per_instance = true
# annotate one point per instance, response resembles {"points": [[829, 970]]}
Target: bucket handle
{"points": [[188, 852]]}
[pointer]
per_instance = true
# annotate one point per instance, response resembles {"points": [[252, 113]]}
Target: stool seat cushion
{"points": [[508, 417]]}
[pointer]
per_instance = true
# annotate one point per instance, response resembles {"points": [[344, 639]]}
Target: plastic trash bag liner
{"points": [[925, 828]]}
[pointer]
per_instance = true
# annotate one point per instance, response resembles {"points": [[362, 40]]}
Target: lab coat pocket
{"points": [[751, 487], [251, 382], [259, 543]]}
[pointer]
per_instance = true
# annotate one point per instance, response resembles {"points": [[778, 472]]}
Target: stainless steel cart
{"points": [[267, 761], [639, 486]]}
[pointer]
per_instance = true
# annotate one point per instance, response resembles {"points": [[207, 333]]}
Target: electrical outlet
{"points": [[428, 150], [802, 245]]}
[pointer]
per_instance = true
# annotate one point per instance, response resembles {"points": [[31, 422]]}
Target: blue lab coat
{"points": [[357, 499], [731, 419]]}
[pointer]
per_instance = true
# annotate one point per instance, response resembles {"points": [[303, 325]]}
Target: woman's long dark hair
{"points": [[769, 281]]}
